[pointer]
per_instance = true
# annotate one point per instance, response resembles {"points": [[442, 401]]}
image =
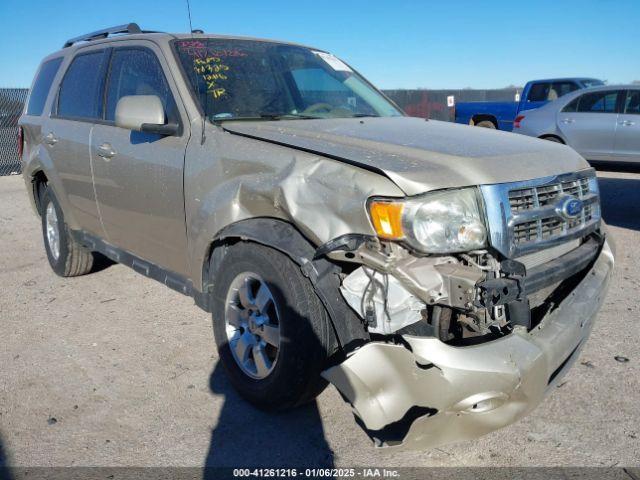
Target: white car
{"points": [[600, 123]]}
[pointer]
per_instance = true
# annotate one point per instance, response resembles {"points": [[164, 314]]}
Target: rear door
{"points": [[588, 123], [139, 176], [627, 140], [66, 134]]}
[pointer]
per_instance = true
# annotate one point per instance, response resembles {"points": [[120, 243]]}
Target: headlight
{"points": [[439, 222]]}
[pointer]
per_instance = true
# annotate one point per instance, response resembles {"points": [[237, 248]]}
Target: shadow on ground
{"points": [[620, 199], [5, 474], [247, 437], [100, 262]]}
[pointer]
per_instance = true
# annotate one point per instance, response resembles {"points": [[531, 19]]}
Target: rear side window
{"points": [[632, 105], [136, 71], [573, 106], [559, 89], [539, 92], [81, 90], [547, 92], [598, 102], [41, 86]]}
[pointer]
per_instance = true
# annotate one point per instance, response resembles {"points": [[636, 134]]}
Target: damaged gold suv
{"points": [[442, 277]]}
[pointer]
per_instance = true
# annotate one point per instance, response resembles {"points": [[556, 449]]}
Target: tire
{"points": [[68, 258], [290, 375], [553, 139], [486, 124]]}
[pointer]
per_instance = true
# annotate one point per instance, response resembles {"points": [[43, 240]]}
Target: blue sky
{"points": [[400, 44]]}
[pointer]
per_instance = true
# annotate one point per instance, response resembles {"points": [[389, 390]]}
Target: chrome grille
{"points": [[528, 216], [521, 199]]}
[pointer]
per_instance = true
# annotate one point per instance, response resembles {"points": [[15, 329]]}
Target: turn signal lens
{"points": [[387, 219], [442, 221]]}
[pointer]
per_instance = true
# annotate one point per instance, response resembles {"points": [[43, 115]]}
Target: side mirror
{"points": [[143, 113]]}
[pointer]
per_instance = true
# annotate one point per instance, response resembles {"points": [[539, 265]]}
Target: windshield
{"points": [[246, 79], [592, 83]]}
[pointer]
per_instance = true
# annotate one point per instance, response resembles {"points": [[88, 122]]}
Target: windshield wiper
{"points": [[284, 116], [264, 116], [279, 116]]}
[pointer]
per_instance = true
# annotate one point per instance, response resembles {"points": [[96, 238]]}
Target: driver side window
{"points": [[137, 71]]}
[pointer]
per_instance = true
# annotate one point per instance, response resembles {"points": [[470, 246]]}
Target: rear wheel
{"points": [[273, 333], [66, 256], [553, 139], [486, 124]]}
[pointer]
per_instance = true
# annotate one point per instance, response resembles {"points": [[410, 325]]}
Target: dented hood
{"points": [[420, 155]]}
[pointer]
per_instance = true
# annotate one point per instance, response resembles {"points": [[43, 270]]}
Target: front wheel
{"points": [[273, 334]]}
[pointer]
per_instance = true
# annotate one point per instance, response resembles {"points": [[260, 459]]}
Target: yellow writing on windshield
{"points": [[212, 70]]}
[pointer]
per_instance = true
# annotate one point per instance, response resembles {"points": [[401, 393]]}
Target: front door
{"points": [[139, 176], [627, 142]]}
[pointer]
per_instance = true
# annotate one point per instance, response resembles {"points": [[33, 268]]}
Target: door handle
{"points": [[568, 120], [627, 123], [106, 151], [50, 139]]}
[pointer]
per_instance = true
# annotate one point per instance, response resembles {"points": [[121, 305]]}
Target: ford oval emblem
{"points": [[571, 207]]}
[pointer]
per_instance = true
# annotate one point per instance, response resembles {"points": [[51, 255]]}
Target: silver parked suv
{"points": [[442, 277]]}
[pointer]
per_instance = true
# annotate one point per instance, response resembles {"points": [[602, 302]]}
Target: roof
{"points": [[566, 79], [132, 31], [607, 87]]}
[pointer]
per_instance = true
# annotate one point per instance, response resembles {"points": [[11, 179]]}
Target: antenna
{"points": [[189, 12], [192, 31]]}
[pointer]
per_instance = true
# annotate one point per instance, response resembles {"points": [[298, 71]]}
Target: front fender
{"points": [[230, 178]]}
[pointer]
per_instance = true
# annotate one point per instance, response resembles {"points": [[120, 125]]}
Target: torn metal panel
{"points": [[232, 179], [432, 393]]}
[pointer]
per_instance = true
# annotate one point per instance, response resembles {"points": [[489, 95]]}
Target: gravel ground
{"points": [[113, 369]]}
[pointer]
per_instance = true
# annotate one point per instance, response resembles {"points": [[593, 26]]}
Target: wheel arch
{"points": [[481, 117], [547, 136], [286, 238], [38, 174], [39, 182]]}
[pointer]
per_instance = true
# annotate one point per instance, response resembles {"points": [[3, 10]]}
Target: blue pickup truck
{"points": [[502, 115]]}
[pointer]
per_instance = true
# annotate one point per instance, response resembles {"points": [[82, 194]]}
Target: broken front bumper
{"points": [[429, 393]]}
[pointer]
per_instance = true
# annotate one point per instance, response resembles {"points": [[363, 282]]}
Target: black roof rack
{"points": [[128, 28]]}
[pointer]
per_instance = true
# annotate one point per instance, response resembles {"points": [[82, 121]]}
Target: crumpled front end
{"points": [[463, 342], [422, 392]]}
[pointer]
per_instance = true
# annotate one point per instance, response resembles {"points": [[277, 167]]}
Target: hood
{"points": [[420, 155]]}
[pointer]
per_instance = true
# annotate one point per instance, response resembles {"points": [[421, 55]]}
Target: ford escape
{"points": [[442, 278]]}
